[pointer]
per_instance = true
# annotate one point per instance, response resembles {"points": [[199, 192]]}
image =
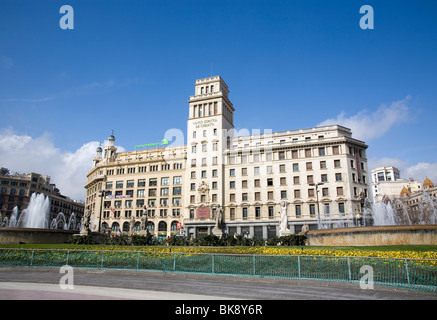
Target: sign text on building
{"points": [[205, 123]]}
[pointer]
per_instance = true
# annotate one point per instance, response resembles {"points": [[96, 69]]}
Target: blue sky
{"points": [[131, 66]]}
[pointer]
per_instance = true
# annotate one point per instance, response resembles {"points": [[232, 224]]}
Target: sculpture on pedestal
{"points": [[132, 226], [218, 221], [86, 223], [144, 222], [283, 224]]}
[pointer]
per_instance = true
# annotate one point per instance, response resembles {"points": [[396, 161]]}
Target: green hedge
{"points": [[208, 240]]}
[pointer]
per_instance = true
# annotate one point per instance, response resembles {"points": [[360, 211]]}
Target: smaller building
{"points": [[17, 188], [387, 182]]}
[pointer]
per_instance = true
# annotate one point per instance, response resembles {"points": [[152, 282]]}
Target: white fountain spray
{"points": [[36, 214], [13, 219]]}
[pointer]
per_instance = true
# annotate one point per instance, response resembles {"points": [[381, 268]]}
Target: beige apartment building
{"points": [[226, 181]]}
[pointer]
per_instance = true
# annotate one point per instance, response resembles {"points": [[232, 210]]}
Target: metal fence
{"points": [[413, 274]]}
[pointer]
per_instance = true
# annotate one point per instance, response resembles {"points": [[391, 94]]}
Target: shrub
{"points": [[88, 239], [179, 241], [293, 240], [210, 240], [273, 241], [137, 240]]}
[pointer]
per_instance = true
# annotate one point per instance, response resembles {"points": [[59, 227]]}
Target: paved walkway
{"points": [[45, 291], [43, 284]]}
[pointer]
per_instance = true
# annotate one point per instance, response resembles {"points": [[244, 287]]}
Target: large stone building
{"points": [[17, 188], [122, 185], [228, 181]]}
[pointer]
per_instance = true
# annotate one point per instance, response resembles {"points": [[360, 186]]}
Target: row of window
{"points": [[311, 209], [14, 183], [269, 168], [295, 154], [269, 181], [139, 203], [295, 167], [165, 181], [205, 110], [138, 214], [141, 169], [283, 194], [270, 195], [12, 199], [243, 212], [12, 191], [141, 193], [296, 180], [268, 157], [162, 226]]}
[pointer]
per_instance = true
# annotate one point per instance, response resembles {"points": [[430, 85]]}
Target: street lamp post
{"points": [[101, 195], [317, 199]]}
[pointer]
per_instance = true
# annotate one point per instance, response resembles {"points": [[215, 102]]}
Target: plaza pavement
{"points": [[43, 284]]}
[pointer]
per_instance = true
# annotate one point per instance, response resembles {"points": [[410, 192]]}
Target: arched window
{"points": [[137, 227], [174, 226], [151, 226], [115, 227], [162, 226]]}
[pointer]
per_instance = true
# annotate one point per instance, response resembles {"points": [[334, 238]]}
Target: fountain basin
{"points": [[374, 236], [35, 235]]}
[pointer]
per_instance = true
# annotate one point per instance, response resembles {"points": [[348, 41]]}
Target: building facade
{"points": [[121, 186], [238, 177], [17, 188]]}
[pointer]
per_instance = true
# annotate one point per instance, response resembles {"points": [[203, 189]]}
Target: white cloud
{"points": [[70, 174], [422, 170], [367, 126], [22, 153]]}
